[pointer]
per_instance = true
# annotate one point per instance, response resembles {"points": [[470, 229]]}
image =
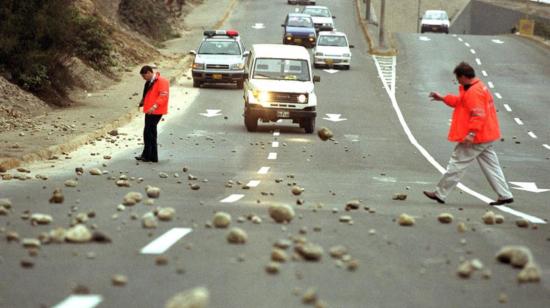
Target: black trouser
{"points": [[150, 137]]}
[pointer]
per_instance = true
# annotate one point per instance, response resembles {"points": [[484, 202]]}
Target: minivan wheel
{"points": [[250, 121], [240, 84], [196, 84], [309, 125]]}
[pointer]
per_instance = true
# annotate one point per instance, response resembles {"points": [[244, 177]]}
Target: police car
{"points": [[220, 58]]}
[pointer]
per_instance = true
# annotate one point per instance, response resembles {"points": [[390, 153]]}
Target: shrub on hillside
{"points": [[148, 17], [36, 36]]}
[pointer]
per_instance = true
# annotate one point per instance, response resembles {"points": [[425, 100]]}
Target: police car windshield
{"points": [[211, 47], [317, 12], [300, 21], [332, 40], [281, 69]]}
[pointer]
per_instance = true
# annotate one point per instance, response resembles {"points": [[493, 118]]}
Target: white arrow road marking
{"points": [[253, 183], [331, 71], [424, 38], [498, 95], [80, 301], [211, 113], [532, 135], [491, 85], [478, 61], [518, 120], [497, 41], [275, 144], [272, 156], [438, 166], [546, 146], [507, 107], [232, 198], [258, 26], [484, 73], [334, 117], [263, 170], [165, 241], [528, 186]]}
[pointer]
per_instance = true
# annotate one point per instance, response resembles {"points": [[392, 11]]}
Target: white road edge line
{"points": [[546, 146], [275, 144], [507, 107], [440, 168], [272, 156], [232, 198], [165, 241], [532, 135], [80, 301], [518, 120], [498, 95], [263, 170]]}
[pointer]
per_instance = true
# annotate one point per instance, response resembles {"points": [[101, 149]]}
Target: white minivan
{"points": [[279, 84]]}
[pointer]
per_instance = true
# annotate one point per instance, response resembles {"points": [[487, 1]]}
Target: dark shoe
{"points": [[433, 196], [138, 158], [502, 201], [149, 161]]}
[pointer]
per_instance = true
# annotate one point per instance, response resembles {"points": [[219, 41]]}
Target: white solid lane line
{"points": [[484, 73], [253, 183], [546, 146], [440, 168], [275, 144], [263, 170], [518, 120], [498, 95], [165, 241], [272, 156], [532, 135], [473, 51], [507, 107], [80, 301], [232, 198], [478, 61]]}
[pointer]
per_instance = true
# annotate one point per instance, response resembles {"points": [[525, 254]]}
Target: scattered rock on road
{"points": [[353, 205], [400, 196], [325, 134], [78, 234], [119, 280], [297, 190], [445, 218], [237, 236], [194, 298], [273, 268], [309, 251], [530, 273], [41, 219], [488, 218], [95, 171], [132, 198], [71, 183], [57, 196], [152, 192], [221, 220], [405, 220], [279, 255], [517, 256], [149, 221], [166, 213], [281, 213], [522, 223]]}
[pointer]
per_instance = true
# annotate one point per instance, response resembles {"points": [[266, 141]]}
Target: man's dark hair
{"points": [[145, 69], [464, 69]]}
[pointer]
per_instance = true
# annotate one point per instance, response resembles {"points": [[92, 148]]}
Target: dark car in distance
{"points": [[302, 2], [299, 30]]}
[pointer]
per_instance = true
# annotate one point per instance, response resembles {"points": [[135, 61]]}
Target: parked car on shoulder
{"points": [[219, 59], [333, 50], [321, 16], [435, 21], [299, 30], [279, 84]]}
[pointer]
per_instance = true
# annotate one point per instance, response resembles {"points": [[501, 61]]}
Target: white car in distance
{"points": [[435, 21], [332, 50], [321, 16]]}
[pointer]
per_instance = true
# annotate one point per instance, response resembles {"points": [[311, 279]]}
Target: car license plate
{"points": [[297, 40], [217, 76], [329, 61], [283, 114]]}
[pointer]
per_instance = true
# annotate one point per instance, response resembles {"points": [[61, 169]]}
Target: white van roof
{"points": [[279, 51]]}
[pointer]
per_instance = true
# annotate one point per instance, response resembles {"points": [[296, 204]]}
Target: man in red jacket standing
{"points": [[474, 127], [155, 104]]}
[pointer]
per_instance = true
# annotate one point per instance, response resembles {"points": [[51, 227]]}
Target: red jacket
{"points": [[474, 111], [157, 94]]}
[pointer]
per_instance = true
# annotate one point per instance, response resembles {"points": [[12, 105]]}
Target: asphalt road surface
{"points": [[371, 159]]}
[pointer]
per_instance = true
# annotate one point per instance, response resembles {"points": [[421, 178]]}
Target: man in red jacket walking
{"points": [[474, 127], [155, 104]]}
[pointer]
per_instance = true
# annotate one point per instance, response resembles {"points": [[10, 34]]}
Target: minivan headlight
{"points": [[261, 96], [198, 66], [347, 55], [302, 98], [319, 54], [237, 66]]}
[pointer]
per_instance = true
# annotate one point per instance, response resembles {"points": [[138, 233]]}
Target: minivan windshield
{"points": [[281, 69], [332, 40], [436, 15]]}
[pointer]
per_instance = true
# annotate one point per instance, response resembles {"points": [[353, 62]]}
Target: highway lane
{"points": [[370, 159]]}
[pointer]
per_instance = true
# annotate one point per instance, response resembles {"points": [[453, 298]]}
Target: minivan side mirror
{"points": [[246, 75], [316, 78], [351, 46], [192, 52], [333, 17], [246, 53], [282, 25]]}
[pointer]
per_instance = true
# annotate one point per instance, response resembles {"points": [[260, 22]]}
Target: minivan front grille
{"points": [[283, 97], [217, 66]]}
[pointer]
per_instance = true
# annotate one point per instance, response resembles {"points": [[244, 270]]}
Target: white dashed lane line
{"points": [[473, 51], [498, 95], [272, 156], [518, 120], [478, 61], [263, 170], [491, 85], [165, 241], [532, 135], [232, 198], [546, 146], [275, 144], [80, 301], [507, 107], [460, 39], [467, 44], [276, 133], [253, 183], [484, 73]]}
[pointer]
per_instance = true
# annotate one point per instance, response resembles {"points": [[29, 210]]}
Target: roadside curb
{"points": [[80, 140], [364, 26], [537, 39]]}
